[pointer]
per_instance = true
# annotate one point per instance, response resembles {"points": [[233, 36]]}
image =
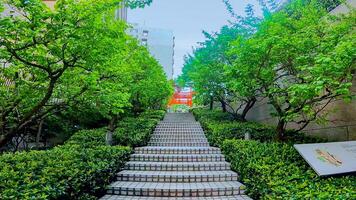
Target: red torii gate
{"points": [[181, 97]]}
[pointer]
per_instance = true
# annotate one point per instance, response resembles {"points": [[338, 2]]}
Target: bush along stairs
{"points": [[178, 163]]}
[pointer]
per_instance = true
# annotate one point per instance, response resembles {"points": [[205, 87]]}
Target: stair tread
{"points": [[179, 148], [119, 197], [177, 173], [176, 186], [179, 163], [177, 155]]}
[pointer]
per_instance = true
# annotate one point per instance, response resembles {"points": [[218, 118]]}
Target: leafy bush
{"points": [[88, 138], [134, 131], [215, 115], [130, 131], [271, 170], [217, 132], [80, 169], [65, 172], [205, 116], [218, 129], [276, 171], [153, 114]]}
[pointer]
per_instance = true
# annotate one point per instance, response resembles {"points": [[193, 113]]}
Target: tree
{"points": [[56, 60], [299, 58], [302, 58], [206, 68]]}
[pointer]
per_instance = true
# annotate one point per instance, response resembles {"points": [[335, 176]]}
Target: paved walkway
{"points": [[178, 163]]}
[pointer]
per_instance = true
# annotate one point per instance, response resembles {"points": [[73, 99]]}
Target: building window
{"points": [[144, 41], [145, 33]]}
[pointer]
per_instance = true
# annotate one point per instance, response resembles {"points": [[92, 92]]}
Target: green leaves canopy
{"points": [[300, 58], [73, 56]]}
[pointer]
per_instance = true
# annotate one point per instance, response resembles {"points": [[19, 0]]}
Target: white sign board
{"points": [[329, 158]]}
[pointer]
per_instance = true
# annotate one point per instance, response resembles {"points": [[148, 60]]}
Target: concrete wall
{"points": [[160, 43], [341, 123], [344, 8], [50, 3]]}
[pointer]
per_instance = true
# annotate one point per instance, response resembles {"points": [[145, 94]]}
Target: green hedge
{"points": [[88, 138], [153, 114], [217, 132], [219, 126], [205, 115], [276, 171], [65, 172], [271, 170], [130, 131], [137, 131], [134, 131], [80, 169]]}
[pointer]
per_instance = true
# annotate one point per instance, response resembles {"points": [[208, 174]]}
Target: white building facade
{"points": [[160, 43]]}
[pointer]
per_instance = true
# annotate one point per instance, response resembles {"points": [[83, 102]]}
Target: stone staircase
{"points": [[178, 163]]}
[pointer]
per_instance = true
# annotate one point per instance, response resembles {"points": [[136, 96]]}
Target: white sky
{"points": [[187, 19]]}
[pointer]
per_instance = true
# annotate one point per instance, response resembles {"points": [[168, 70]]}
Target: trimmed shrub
{"points": [[277, 171], [203, 115], [80, 169], [225, 128], [272, 170], [153, 114], [217, 132], [88, 138], [65, 172], [134, 132]]}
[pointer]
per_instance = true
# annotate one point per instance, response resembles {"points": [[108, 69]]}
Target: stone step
{"points": [[155, 189], [177, 157], [177, 125], [178, 122], [178, 144], [192, 121], [178, 133], [171, 131], [177, 177], [120, 197], [177, 150], [186, 132], [173, 136], [181, 140], [177, 166], [178, 129]]}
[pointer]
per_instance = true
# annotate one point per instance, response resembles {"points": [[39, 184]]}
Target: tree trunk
{"points": [[39, 132], [29, 117], [280, 129], [223, 105], [211, 103], [109, 133], [247, 108]]}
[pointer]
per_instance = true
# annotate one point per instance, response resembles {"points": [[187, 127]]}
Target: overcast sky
{"points": [[187, 19]]}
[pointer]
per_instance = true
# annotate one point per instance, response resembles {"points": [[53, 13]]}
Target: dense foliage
{"points": [[271, 170], [220, 126], [65, 172], [277, 171], [136, 132], [75, 60], [299, 59], [67, 69], [80, 169]]}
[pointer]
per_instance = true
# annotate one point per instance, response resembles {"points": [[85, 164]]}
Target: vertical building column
{"points": [[121, 12]]}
